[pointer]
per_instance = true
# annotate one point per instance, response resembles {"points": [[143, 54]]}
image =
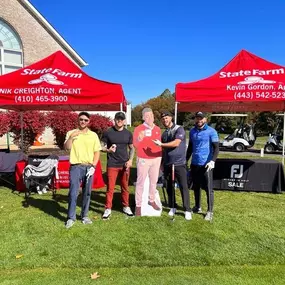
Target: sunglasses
{"points": [[83, 120]]}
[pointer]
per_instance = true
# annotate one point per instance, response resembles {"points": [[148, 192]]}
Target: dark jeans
{"points": [[202, 179], [180, 175], [77, 176]]}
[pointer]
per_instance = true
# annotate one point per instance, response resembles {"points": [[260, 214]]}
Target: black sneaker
{"points": [[197, 210]]}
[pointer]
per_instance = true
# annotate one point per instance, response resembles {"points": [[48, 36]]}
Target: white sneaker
{"points": [[69, 223], [39, 190], [106, 214], [172, 212], [128, 211], [209, 216], [44, 190], [188, 216]]}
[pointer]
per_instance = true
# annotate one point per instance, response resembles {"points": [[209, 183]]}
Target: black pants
{"points": [[202, 179], [180, 175]]}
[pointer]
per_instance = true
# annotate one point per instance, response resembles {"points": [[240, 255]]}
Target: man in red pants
{"points": [[118, 143]]}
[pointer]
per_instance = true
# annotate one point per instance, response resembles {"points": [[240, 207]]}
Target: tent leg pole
{"points": [[8, 141], [121, 107], [175, 113], [283, 149], [22, 129]]}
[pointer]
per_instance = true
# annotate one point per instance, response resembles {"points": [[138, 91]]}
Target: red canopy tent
{"points": [[56, 83], [246, 83]]}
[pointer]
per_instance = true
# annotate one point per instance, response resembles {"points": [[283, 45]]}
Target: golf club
{"points": [[209, 185], [173, 190]]}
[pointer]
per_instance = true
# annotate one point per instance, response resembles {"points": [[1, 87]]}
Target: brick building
{"points": [[26, 37]]}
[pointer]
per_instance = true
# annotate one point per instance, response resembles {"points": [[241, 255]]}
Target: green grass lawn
{"points": [[244, 245]]}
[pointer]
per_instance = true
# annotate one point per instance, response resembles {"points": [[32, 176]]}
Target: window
{"points": [[11, 53]]}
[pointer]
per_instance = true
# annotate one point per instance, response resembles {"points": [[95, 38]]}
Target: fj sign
{"points": [[236, 171]]}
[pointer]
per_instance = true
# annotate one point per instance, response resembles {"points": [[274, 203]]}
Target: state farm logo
{"points": [[250, 73], [256, 79], [236, 171], [48, 78]]}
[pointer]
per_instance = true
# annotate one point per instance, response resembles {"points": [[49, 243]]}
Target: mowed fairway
{"points": [[244, 245]]}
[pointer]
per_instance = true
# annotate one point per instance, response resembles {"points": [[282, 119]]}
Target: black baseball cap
{"points": [[165, 113], [200, 114], [120, 116]]}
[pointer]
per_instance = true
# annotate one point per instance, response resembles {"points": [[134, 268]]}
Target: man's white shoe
{"points": [[39, 190], [188, 216], [209, 216], [106, 214], [172, 212], [128, 211]]}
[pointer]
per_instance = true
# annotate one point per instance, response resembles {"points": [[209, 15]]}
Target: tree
{"points": [[4, 123], [34, 123], [265, 123], [99, 124], [137, 115], [165, 101], [60, 123]]}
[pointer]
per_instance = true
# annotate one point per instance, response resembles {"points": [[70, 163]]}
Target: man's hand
{"points": [[157, 142], [112, 148], [90, 172], [128, 164], [141, 136], [210, 165], [75, 134]]}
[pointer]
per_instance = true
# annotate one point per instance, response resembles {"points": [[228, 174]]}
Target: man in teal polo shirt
{"points": [[204, 148]]}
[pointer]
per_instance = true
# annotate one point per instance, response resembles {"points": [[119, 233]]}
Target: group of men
{"points": [[155, 152]]}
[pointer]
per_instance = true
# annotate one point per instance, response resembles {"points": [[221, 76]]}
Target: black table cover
{"points": [[260, 175]]}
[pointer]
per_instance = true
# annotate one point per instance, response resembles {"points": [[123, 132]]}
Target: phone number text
{"points": [[41, 99], [259, 95]]}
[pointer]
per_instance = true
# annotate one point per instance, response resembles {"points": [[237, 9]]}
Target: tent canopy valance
{"points": [[246, 83], [56, 83]]}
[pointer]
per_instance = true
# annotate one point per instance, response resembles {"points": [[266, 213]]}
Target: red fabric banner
{"points": [[246, 83], [57, 83]]}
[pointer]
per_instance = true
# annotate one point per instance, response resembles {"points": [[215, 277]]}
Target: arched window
{"points": [[11, 52]]}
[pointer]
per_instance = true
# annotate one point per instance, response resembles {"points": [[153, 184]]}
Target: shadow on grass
{"points": [[98, 199], [50, 207], [54, 208]]}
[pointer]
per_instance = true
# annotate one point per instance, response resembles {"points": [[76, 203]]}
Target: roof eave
{"points": [[81, 62]]}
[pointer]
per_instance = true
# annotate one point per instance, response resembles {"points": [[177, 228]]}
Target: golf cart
{"points": [[242, 138], [275, 140]]}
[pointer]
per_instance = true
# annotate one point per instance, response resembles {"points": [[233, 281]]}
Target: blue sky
{"points": [[149, 46]]}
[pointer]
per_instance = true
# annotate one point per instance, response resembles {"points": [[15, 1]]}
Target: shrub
{"points": [[4, 123], [137, 123], [61, 122], [34, 123], [99, 124]]}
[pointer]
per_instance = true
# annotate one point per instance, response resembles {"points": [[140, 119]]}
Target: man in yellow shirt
{"points": [[84, 146]]}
